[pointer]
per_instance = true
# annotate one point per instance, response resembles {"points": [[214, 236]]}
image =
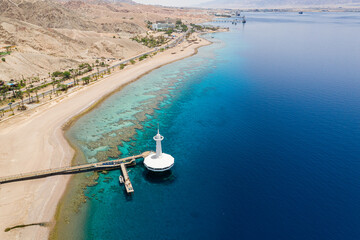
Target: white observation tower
{"points": [[159, 161]]}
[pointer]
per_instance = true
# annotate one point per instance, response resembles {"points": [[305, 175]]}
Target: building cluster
{"points": [[167, 24], [10, 83], [236, 13], [227, 13]]}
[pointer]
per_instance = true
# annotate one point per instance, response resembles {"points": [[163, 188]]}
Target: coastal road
{"points": [[177, 41]]}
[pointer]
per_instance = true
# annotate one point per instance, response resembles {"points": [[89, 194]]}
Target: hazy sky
{"points": [[177, 3]]}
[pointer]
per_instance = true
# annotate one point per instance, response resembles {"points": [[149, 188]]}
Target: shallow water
{"points": [[264, 128]]}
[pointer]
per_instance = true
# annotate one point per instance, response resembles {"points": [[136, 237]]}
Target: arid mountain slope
{"points": [[56, 35], [44, 13], [41, 50]]}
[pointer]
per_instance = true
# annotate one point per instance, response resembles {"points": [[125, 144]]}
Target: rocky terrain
{"points": [[58, 35]]}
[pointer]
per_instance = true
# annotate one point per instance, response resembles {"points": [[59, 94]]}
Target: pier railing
{"points": [[73, 169]]}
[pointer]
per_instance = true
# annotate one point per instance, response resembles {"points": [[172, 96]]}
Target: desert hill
{"points": [[56, 35], [45, 14]]}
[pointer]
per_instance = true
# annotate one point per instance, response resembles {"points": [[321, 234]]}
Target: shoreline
{"points": [[30, 201]]}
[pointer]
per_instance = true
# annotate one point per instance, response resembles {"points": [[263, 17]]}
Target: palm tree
{"points": [[18, 87], [13, 89], [11, 108], [77, 73], [37, 96], [21, 96], [28, 93], [53, 83], [4, 95], [72, 75], [74, 78]]}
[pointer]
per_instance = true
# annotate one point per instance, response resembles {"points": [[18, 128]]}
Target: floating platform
{"points": [[161, 163]]}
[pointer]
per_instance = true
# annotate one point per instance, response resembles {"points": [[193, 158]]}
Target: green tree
{"points": [[37, 96], [62, 87], [184, 27], [66, 75], [56, 74], [10, 105], [28, 93], [86, 80], [4, 94], [53, 83], [169, 32], [21, 96], [13, 90], [143, 57], [73, 75]]}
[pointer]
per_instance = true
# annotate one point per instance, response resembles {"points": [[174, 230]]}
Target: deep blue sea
{"points": [[264, 125]]}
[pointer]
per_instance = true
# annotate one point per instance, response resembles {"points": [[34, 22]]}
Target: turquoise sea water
{"points": [[264, 126]]}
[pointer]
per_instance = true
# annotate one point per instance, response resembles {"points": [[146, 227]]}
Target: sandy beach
{"points": [[35, 141]]}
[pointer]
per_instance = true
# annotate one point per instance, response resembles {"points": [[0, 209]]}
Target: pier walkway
{"points": [[106, 165], [128, 186]]}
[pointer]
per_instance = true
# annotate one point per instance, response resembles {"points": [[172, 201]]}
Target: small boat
{"points": [[301, 12], [121, 179]]}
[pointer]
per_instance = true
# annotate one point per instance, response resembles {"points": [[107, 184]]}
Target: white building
{"points": [[162, 26], [158, 161]]}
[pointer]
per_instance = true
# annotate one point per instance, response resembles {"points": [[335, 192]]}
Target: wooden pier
{"points": [[128, 186], [106, 165]]}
